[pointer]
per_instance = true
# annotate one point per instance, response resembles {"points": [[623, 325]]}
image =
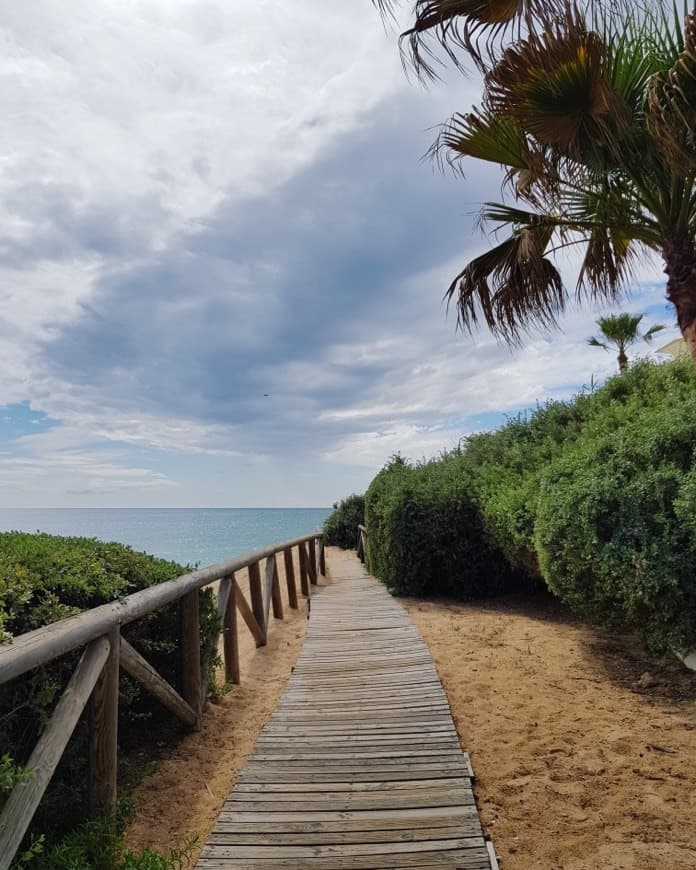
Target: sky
{"points": [[223, 259]]}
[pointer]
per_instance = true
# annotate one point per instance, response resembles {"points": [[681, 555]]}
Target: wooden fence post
{"points": [[191, 654], [230, 636], [322, 557], [276, 597], [103, 733], [257, 599], [290, 578], [312, 566], [304, 583]]}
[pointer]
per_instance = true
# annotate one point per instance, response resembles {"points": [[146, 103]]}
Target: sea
{"points": [[193, 537]]}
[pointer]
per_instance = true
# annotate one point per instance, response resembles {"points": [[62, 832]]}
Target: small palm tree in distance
{"points": [[621, 331]]}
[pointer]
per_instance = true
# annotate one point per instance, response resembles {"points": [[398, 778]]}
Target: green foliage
{"points": [[98, 845], [341, 527], [425, 534], [597, 496], [44, 578], [615, 524]]}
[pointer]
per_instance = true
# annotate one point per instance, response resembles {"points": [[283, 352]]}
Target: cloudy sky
{"points": [[222, 259]]}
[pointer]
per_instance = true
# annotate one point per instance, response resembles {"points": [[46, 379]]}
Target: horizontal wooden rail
{"points": [[45, 644], [95, 680]]}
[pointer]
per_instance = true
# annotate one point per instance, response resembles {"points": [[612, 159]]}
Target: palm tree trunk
{"points": [[623, 360], [679, 255]]}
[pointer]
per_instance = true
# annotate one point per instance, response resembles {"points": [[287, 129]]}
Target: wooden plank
{"points": [[24, 799], [248, 616], [290, 578], [461, 859], [251, 835], [258, 606], [190, 649], [347, 849]]}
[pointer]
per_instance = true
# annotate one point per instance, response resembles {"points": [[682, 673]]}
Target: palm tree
{"points": [[593, 117], [621, 331]]}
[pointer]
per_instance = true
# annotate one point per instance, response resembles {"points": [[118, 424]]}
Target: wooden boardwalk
{"points": [[360, 765]]}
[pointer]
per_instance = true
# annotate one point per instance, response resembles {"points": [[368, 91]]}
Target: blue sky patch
{"points": [[19, 419]]}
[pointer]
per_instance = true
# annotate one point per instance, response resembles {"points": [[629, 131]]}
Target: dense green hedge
{"points": [[44, 578], [596, 495], [425, 533], [341, 527]]}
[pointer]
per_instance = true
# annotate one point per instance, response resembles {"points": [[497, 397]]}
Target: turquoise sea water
{"points": [[190, 536]]}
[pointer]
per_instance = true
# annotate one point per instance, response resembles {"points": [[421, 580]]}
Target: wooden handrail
{"points": [[51, 641], [96, 677]]}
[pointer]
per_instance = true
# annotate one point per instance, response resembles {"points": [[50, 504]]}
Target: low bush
{"points": [[341, 527], [44, 578], [425, 534]]}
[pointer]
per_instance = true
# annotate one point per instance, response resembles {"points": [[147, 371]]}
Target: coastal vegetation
{"points": [[44, 578], [340, 528], [590, 110], [594, 497]]}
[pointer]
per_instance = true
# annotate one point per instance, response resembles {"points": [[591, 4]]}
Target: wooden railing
{"points": [[362, 540], [95, 679]]}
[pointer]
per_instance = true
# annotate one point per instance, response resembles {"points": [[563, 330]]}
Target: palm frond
{"points": [[475, 27], [512, 286], [557, 85], [495, 139], [648, 336], [672, 106], [607, 265]]}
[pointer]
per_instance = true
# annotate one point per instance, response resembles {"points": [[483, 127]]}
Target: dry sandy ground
{"points": [[579, 765], [185, 793]]}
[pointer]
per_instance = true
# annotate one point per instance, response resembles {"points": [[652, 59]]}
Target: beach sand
{"points": [[584, 747]]}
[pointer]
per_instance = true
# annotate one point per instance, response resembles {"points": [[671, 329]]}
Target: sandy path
{"points": [[186, 792], [578, 766]]}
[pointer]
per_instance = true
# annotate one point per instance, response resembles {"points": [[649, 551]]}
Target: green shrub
{"points": [[341, 527], [596, 495], [425, 534], [44, 578], [615, 525]]}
